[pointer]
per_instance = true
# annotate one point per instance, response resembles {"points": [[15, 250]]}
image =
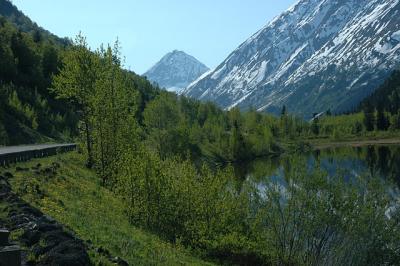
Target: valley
{"points": [[287, 153]]}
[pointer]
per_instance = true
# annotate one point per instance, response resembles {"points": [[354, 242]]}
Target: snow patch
{"points": [[218, 72], [396, 36]]}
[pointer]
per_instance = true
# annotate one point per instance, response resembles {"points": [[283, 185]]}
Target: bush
{"points": [[307, 219], [315, 220]]}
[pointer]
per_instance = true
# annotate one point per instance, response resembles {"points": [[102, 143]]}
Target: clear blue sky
{"points": [[148, 29]]}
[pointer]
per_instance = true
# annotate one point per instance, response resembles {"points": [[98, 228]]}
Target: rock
{"points": [[8, 175], [10, 256], [67, 253], [30, 237], [46, 227], [119, 261], [19, 221], [51, 240], [3, 195], [4, 186], [32, 211], [4, 235], [48, 219], [42, 235]]}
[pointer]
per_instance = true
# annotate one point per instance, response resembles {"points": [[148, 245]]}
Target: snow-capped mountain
{"points": [[176, 71], [318, 55]]}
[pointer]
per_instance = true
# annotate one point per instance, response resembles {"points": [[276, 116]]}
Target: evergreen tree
{"points": [[50, 60], [382, 122], [237, 143], [285, 124], [387, 95], [37, 36], [329, 112], [284, 111], [369, 117], [315, 126], [395, 124]]}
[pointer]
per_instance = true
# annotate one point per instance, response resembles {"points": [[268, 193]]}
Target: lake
{"points": [[347, 162]]}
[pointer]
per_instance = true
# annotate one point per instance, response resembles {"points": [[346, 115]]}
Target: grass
{"points": [[75, 198]]}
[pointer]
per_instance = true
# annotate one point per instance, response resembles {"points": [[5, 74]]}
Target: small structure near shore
{"points": [[10, 254]]}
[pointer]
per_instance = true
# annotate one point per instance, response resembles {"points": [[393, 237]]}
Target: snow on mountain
{"points": [[176, 71], [318, 55]]}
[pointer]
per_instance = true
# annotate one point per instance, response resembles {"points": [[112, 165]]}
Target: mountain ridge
{"points": [[12, 14], [314, 56]]}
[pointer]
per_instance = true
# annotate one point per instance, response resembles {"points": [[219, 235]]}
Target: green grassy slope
{"points": [[74, 197]]}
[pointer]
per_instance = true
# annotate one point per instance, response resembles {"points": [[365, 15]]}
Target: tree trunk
{"points": [[89, 163]]}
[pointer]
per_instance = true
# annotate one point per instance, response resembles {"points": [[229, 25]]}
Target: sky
{"points": [[148, 29]]}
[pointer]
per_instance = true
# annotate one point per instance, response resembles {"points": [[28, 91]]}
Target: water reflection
{"points": [[350, 162]]}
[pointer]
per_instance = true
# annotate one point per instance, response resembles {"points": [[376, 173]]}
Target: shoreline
{"points": [[355, 143]]}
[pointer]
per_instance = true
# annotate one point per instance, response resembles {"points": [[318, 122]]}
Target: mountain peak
{"points": [[178, 52], [176, 70]]}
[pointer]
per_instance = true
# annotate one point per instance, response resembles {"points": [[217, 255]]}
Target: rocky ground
{"points": [[44, 241]]}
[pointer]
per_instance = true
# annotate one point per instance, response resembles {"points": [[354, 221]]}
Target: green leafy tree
{"points": [[114, 109], [161, 118], [76, 82]]}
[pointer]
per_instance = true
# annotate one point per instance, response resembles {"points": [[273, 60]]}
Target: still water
{"points": [[348, 162]]}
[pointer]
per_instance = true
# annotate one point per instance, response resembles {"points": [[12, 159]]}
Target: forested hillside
{"points": [[30, 56], [387, 96], [25, 24], [382, 108], [28, 111]]}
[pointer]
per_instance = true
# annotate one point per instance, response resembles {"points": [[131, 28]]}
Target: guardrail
{"points": [[15, 154]]}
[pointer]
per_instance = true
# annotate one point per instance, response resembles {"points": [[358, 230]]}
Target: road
{"points": [[23, 148], [12, 154]]}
